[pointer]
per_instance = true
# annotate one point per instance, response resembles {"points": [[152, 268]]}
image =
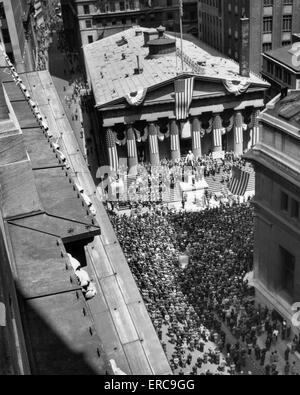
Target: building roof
{"points": [[112, 74], [284, 55], [286, 110], [43, 211]]}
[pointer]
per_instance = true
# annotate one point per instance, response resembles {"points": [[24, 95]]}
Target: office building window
{"points": [[267, 24], [295, 209], [86, 9], [88, 23], [284, 205], [287, 271], [287, 23]]}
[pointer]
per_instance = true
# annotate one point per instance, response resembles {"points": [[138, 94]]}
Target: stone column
{"points": [[238, 133], [153, 145], [217, 133], [131, 150], [196, 136], [175, 141], [255, 129], [112, 149]]}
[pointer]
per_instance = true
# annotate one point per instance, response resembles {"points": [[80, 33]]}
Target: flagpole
{"points": [[180, 21]]}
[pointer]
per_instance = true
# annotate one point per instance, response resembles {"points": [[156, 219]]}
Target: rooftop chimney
{"points": [[138, 31], [245, 47], [138, 69], [162, 45], [149, 34]]}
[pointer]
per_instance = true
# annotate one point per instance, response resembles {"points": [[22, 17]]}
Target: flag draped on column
{"points": [[153, 145], [183, 97], [254, 134], [218, 131], [238, 128], [196, 136], [131, 143], [175, 143], [131, 151], [112, 149]]}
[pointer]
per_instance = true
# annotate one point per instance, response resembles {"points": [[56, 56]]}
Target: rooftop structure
{"points": [[282, 69], [111, 70]]}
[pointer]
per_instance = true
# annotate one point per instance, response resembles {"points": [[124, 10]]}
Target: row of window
{"points": [[279, 72], [270, 3], [286, 24], [122, 5]]}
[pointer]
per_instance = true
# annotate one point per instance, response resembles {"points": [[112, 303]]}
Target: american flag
{"points": [[174, 142], [112, 149], [196, 134], [183, 97], [175, 145], [239, 181], [131, 143], [238, 130], [218, 131], [153, 142]]}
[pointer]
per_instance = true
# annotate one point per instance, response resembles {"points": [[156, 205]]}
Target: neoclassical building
{"points": [[159, 98]]}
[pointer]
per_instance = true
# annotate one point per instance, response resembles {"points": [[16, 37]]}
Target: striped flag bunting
{"points": [[174, 142], [238, 131], [112, 149], [153, 144], [239, 181], [197, 139], [217, 133], [183, 97], [131, 148]]}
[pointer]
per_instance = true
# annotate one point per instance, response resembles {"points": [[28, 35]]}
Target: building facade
{"points": [[277, 206], [221, 19], [16, 33], [89, 21], [134, 80]]}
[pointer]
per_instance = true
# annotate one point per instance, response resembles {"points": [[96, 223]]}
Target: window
{"points": [[268, 3], [287, 271], [2, 12], [90, 39], [122, 5], [278, 72], [169, 3], [267, 47], [88, 23], [86, 9], [267, 24], [294, 209], [270, 67], [287, 23], [284, 202]]}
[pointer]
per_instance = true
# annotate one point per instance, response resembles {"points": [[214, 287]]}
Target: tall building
{"points": [[89, 21], [281, 68], [272, 23], [16, 32], [277, 206]]}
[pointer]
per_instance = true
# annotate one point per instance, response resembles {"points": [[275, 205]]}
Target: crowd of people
{"points": [[210, 300], [157, 184], [43, 30]]}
